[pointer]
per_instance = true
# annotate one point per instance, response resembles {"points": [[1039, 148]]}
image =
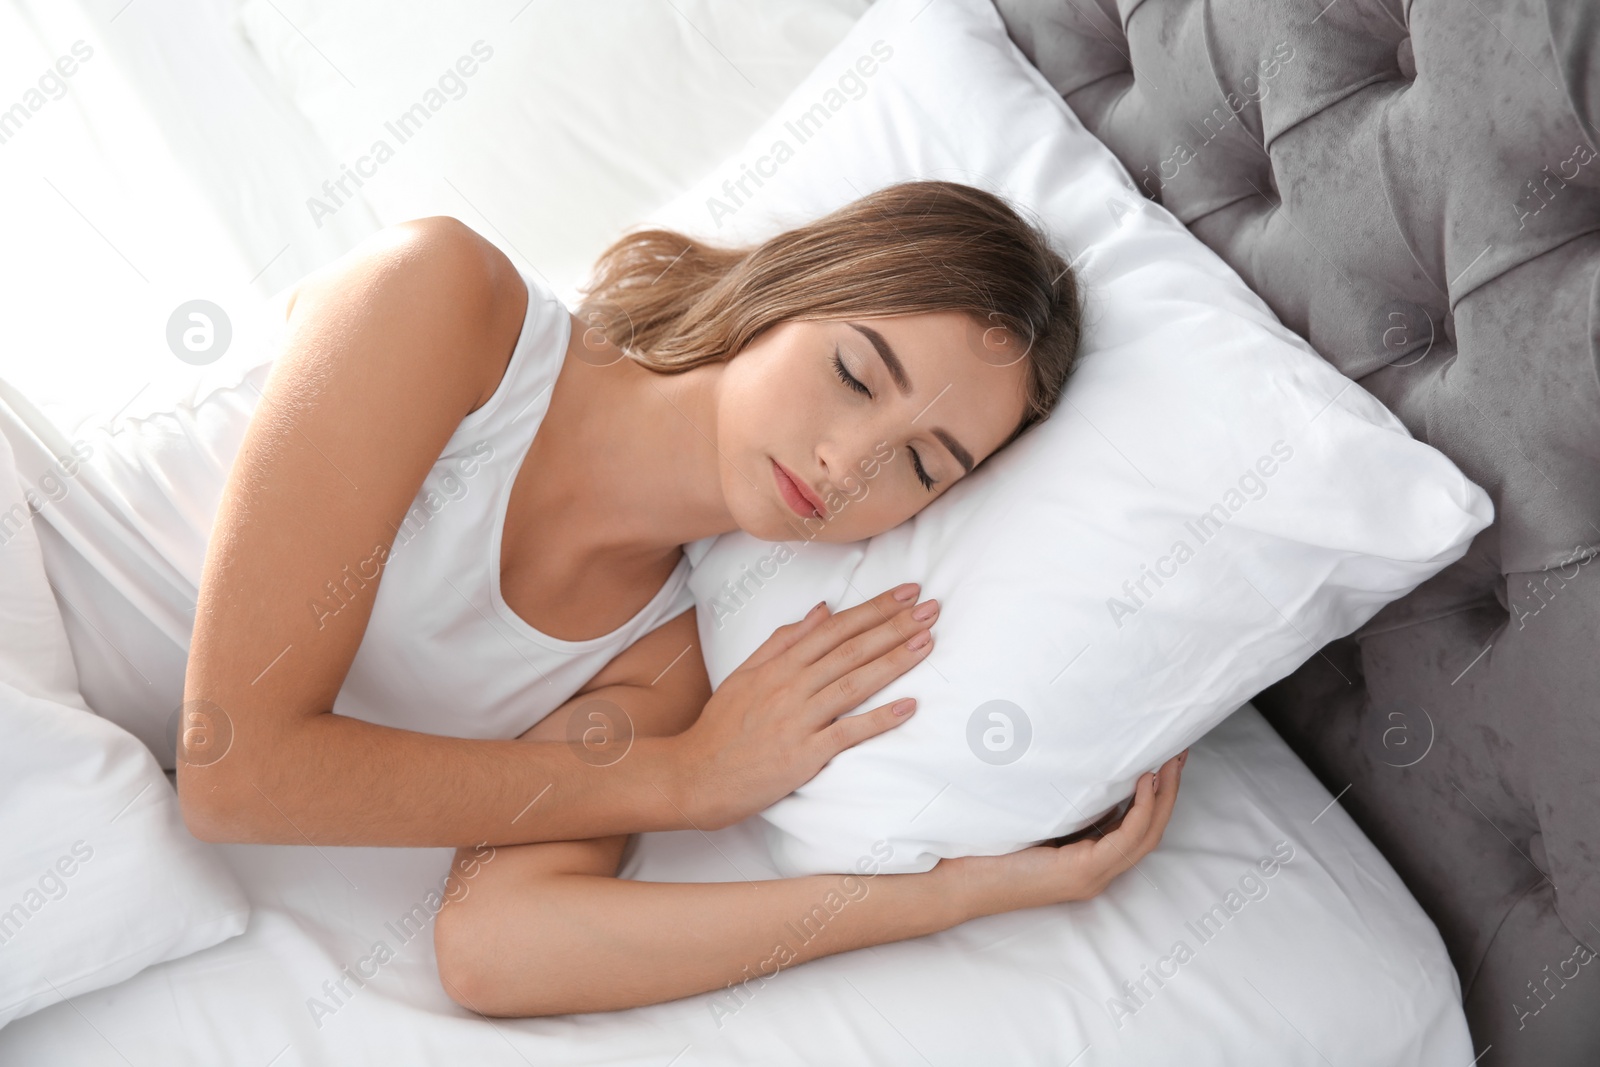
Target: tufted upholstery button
{"points": [[1404, 58], [1266, 183]]}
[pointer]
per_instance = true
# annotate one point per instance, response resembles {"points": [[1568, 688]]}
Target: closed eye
{"points": [[846, 377], [855, 383]]}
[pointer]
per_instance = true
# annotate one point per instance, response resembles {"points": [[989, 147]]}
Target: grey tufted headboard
{"points": [[1415, 189]]}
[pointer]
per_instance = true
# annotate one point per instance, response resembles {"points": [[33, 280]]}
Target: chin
{"points": [[757, 517], [772, 525]]}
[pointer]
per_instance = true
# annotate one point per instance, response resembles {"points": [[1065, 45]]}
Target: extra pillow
{"points": [[1211, 503], [99, 877], [504, 113]]}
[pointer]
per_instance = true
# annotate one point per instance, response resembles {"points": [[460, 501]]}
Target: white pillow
{"points": [[1063, 669], [526, 132], [99, 877]]}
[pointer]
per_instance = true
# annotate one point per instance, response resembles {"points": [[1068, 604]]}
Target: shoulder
{"points": [[436, 272]]}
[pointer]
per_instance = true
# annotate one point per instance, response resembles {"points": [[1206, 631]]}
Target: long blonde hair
{"points": [[672, 302]]}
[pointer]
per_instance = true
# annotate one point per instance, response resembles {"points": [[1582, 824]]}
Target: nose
{"points": [[844, 459]]}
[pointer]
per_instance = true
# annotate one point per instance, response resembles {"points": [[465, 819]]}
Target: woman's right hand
{"points": [[1052, 873], [775, 721]]}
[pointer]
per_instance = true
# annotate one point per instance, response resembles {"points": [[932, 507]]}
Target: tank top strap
{"points": [[530, 374]]}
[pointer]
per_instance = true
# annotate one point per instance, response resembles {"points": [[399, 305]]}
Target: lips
{"points": [[800, 497]]}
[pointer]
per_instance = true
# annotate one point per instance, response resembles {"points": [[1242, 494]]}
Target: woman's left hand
{"points": [[1051, 874]]}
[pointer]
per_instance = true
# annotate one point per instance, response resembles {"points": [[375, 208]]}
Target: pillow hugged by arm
{"points": [[549, 928]]}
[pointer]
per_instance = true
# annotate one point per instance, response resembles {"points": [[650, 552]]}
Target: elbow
{"points": [[211, 811], [467, 957], [458, 950], [464, 985], [209, 821]]}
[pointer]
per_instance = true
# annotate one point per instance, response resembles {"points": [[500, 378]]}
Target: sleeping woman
{"points": [[827, 384]]}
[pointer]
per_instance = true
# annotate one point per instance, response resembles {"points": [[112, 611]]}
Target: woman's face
{"points": [[937, 391]]}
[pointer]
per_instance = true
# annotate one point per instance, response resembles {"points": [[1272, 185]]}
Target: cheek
{"points": [[883, 511], [875, 502], [743, 408], [776, 408], [760, 384]]}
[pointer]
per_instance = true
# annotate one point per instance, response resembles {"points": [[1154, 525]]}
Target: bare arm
{"points": [[544, 929], [540, 929], [548, 929], [387, 350]]}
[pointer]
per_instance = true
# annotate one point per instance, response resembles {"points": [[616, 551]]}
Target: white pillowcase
{"points": [[525, 132], [99, 877], [1093, 623]]}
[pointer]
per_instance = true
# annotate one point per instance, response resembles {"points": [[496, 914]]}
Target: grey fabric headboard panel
{"points": [[1416, 190]]}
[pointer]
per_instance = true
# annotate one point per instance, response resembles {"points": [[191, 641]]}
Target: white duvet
{"points": [[1198, 957]]}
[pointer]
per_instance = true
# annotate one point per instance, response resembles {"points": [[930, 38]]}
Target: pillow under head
{"points": [[1210, 503]]}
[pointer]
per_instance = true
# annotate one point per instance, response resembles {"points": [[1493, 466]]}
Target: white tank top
{"points": [[442, 653]]}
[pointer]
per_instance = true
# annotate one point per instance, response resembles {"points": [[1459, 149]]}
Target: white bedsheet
{"points": [[1334, 964]]}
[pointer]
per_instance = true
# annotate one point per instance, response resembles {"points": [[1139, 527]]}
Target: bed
{"points": [[184, 163]]}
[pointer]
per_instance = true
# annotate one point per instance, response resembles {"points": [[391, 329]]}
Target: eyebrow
{"points": [[897, 371]]}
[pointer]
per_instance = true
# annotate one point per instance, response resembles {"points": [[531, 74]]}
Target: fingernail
{"points": [[1183, 758], [919, 640], [819, 606], [926, 611], [1158, 783], [903, 707], [906, 592]]}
